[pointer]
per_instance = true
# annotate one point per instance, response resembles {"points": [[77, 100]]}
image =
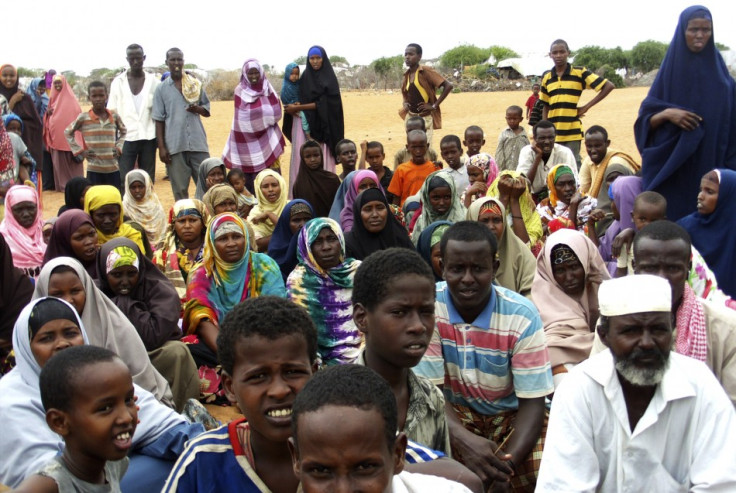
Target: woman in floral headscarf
{"points": [[256, 141], [183, 245], [323, 284], [229, 273], [565, 207]]}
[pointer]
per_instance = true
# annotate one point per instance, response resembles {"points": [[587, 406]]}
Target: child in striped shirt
{"points": [[103, 133]]}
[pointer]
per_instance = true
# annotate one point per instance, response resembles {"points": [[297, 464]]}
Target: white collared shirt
{"points": [[140, 124], [685, 441], [559, 155]]}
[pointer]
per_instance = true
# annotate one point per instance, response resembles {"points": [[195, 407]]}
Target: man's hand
{"points": [[623, 239], [197, 109], [479, 455], [163, 154]]}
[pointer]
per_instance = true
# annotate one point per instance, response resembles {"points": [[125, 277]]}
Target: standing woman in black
{"points": [[320, 100]]}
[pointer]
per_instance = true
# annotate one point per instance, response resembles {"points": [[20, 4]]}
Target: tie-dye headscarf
{"points": [[121, 256], [216, 286], [326, 295], [486, 164]]}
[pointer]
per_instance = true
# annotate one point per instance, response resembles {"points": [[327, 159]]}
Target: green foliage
{"points": [[501, 53], [71, 77], [719, 47], [466, 55], [190, 65], [595, 57], [648, 55], [388, 68], [339, 59], [461, 56], [30, 72], [481, 71], [609, 73], [302, 60]]}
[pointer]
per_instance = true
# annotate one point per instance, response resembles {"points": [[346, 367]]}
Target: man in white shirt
{"points": [[536, 159], [638, 417], [131, 95]]}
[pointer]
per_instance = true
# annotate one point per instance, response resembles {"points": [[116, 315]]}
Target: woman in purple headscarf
{"points": [[686, 124]]}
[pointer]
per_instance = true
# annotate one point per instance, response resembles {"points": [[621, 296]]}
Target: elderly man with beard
{"points": [[543, 154], [638, 417]]}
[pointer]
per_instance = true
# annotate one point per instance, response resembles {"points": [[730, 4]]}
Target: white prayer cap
{"points": [[634, 294]]}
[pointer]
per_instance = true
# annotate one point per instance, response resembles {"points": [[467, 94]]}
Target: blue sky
{"points": [[223, 33]]}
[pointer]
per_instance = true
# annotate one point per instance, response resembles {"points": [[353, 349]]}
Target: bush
{"points": [[464, 55], [222, 84]]}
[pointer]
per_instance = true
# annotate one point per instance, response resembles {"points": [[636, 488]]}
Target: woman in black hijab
{"points": [[374, 227], [319, 99]]}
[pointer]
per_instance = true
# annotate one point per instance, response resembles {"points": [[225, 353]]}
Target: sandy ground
{"points": [[373, 116]]}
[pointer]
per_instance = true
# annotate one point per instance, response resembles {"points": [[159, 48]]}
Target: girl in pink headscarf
{"points": [[63, 109], [22, 228], [256, 141]]}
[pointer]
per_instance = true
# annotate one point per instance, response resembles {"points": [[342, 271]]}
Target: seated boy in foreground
{"points": [[344, 433], [267, 347], [488, 352], [393, 305], [87, 392]]}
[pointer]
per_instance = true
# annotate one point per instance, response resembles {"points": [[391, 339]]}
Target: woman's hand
{"points": [[686, 120], [15, 99], [477, 188], [260, 217]]}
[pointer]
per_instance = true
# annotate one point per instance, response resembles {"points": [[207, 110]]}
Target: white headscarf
{"points": [[110, 328], [26, 440]]}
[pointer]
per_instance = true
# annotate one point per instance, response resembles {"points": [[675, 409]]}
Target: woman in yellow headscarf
{"points": [[104, 204], [272, 198]]}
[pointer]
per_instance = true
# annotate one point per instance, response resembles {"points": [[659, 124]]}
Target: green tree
{"points": [[595, 57], [463, 55], [302, 60], [388, 68], [501, 53], [190, 65], [592, 57], [339, 59], [30, 72], [71, 77], [648, 55], [719, 47]]}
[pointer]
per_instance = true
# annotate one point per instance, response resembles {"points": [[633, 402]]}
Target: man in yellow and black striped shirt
{"points": [[561, 90]]}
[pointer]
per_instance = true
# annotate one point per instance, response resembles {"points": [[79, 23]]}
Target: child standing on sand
{"points": [[532, 100], [511, 140], [292, 122]]}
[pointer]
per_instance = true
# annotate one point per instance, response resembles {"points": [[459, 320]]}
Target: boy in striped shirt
{"points": [[561, 90], [103, 133], [489, 353]]}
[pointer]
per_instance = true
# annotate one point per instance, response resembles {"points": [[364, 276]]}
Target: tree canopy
{"points": [[648, 55]]}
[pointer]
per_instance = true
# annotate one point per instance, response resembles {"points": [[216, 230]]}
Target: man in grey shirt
{"points": [[178, 104]]}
